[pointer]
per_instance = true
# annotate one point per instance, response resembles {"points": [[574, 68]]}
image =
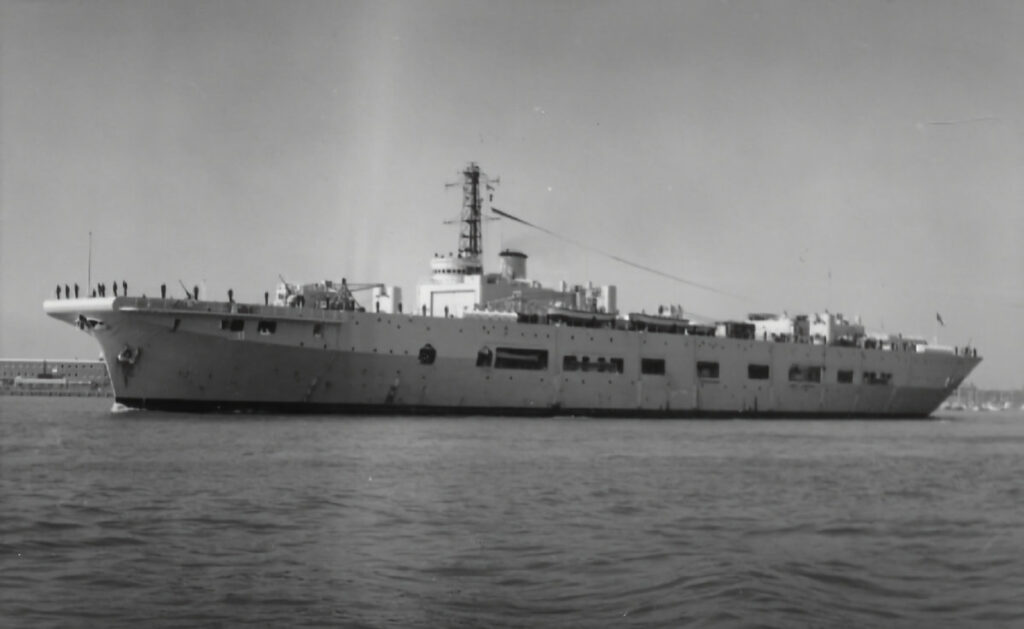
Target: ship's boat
{"points": [[583, 318], [500, 343], [657, 323]]}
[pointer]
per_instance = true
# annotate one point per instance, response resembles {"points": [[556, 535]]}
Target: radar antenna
{"points": [[473, 183]]}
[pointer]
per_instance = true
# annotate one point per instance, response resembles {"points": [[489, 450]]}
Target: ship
{"points": [[500, 343]]}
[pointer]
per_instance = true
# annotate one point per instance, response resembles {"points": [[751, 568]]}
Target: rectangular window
{"points": [[871, 377], [266, 327], [805, 373], [652, 366], [318, 330], [570, 363], [707, 370], [518, 358], [233, 325], [845, 376], [758, 372], [618, 366]]}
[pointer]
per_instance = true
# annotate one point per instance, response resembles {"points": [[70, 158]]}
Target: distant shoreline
{"points": [[64, 392]]}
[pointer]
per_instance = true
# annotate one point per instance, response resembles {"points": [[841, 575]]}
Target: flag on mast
{"points": [[938, 318]]}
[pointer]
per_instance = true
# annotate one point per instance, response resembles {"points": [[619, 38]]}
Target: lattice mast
{"points": [[474, 184]]}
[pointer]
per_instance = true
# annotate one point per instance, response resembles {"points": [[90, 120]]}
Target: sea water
{"points": [[156, 519]]}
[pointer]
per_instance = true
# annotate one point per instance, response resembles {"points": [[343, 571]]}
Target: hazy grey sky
{"points": [[753, 146]]}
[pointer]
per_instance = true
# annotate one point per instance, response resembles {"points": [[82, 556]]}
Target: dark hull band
{"points": [[311, 408]]}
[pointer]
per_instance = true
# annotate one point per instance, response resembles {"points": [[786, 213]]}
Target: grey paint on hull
{"points": [[364, 362]]}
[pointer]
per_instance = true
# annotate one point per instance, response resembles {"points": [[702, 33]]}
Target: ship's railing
{"points": [[220, 308]]}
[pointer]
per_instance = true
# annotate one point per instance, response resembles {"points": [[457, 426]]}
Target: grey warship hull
{"points": [[189, 355]]}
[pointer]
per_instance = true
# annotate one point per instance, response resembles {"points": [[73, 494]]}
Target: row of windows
{"points": [[537, 359], [600, 364], [265, 328], [517, 358], [813, 373], [843, 376], [707, 370]]}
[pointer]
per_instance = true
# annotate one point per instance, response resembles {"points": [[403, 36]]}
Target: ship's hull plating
{"points": [[184, 355]]}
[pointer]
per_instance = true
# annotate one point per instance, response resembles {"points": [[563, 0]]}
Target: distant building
{"points": [[36, 373]]}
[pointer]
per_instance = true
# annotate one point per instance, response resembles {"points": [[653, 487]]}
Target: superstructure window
{"points": [[707, 370], [266, 327], [758, 372], [318, 330], [570, 363], [520, 358], [484, 356], [652, 366], [617, 365], [232, 325], [844, 376], [805, 373]]}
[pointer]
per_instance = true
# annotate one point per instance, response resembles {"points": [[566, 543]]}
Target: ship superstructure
{"points": [[501, 343]]}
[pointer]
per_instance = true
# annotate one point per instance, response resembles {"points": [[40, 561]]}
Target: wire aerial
{"points": [[619, 259]]}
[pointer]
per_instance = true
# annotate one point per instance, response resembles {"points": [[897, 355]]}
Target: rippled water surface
{"points": [[122, 520]]}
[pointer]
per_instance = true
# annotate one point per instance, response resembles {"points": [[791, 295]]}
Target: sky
{"points": [[858, 157]]}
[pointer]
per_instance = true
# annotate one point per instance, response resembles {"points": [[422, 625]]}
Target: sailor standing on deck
{"points": [[76, 291], [124, 288], [58, 292]]}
